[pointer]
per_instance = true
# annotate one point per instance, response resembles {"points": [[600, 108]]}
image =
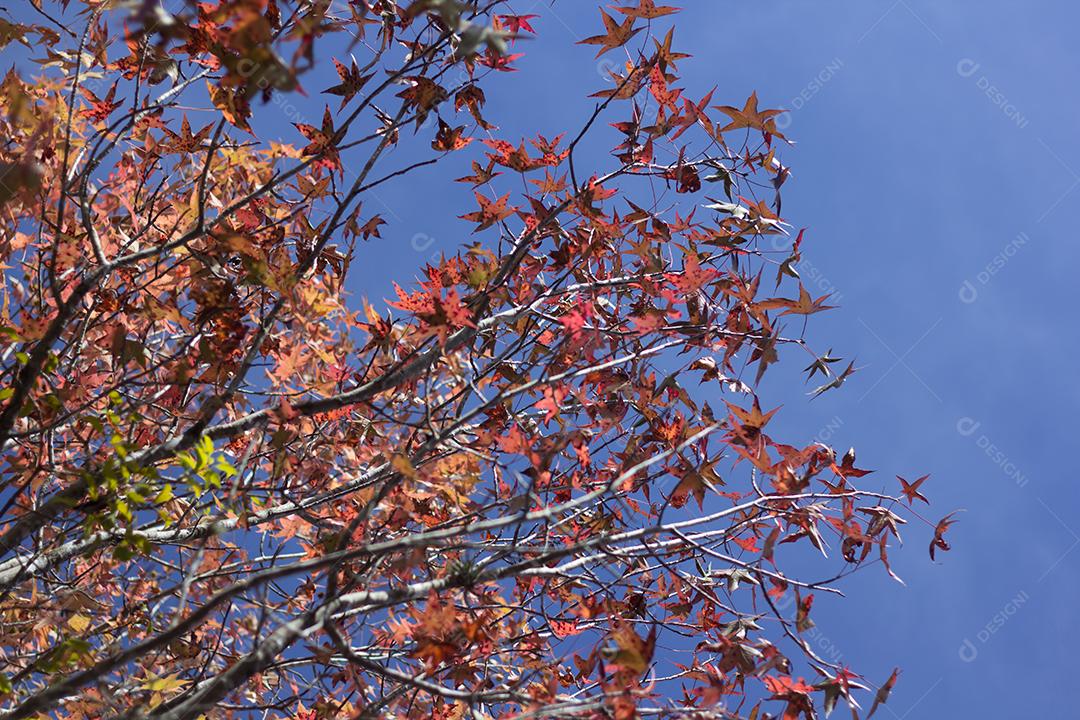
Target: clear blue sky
{"points": [[936, 147]]}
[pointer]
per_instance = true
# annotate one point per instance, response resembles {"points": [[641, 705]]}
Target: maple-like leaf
{"points": [[371, 227], [472, 97], [232, 105], [422, 94], [551, 402], [480, 174], [821, 365], [665, 56], [784, 686], [352, 81], [752, 418], [517, 23], [633, 652], [457, 312], [616, 36], [564, 628], [322, 142], [911, 490], [187, 142], [647, 10], [805, 306], [550, 184], [100, 108], [448, 139], [847, 468], [693, 277], [490, 212], [750, 117]]}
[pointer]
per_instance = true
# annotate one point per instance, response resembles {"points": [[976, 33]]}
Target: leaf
{"points": [[14, 31], [884, 555], [882, 694], [802, 612], [693, 277], [352, 81], [847, 468], [490, 212], [423, 95], [911, 490], [616, 36], [517, 23], [79, 623], [939, 541], [322, 142], [752, 418], [165, 684], [836, 382], [481, 174], [821, 365], [805, 306], [633, 652], [448, 139], [371, 227], [647, 10], [232, 105], [188, 142], [750, 117], [472, 97], [551, 403], [403, 465], [691, 483], [564, 628], [100, 108]]}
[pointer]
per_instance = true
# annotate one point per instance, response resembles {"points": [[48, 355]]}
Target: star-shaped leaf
{"points": [[517, 23], [821, 365], [351, 82], [322, 142], [187, 142], [616, 36], [448, 139], [490, 212], [480, 174], [100, 108], [847, 468], [665, 56], [647, 10], [911, 490], [750, 117]]}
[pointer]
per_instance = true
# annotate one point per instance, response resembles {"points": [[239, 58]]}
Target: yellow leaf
{"points": [[165, 684], [404, 466]]}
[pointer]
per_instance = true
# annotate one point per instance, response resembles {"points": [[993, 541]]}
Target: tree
{"points": [[233, 488]]}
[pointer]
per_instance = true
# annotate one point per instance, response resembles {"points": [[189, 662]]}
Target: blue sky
{"points": [[938, 171]]}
